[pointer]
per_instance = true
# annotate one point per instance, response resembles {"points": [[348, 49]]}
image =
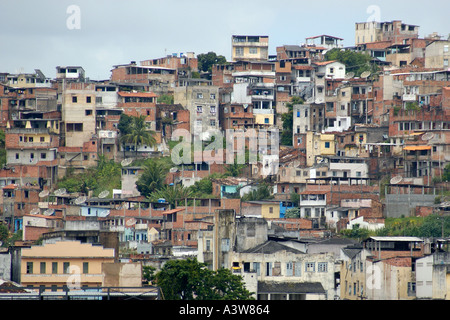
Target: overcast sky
{"points": [[46, 33]]}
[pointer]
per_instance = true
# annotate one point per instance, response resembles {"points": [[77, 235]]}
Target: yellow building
{"points": [[327, 145], [319, 145], [265, 208], [245, 47], [62, 264], [264, 119]]}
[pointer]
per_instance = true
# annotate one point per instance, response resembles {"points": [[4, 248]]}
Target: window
{"points": [[268, 268], [446, 48], [88, 112], [43, 267], [199, 109], [445, 62], [225, 245], [85, 267], [74, 99], [54, 267], [310, 267], [253, 50], [212, 123], [42, 139], [74, 127], [239, 51], [29, 267], [322, 267], [208, 245], [43, 155], [212, 96], [270, 209], [199, 95], [88, 99], [66, 267], [17, 156], [327, 144], [289, 269], [212, 109], [266, 120], [257, 268]]}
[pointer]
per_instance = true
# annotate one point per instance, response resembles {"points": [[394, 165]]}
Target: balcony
{"points": [[409, 97]]}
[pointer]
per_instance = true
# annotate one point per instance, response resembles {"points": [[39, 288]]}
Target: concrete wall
{"points": [[405, 204], [122, 274]]}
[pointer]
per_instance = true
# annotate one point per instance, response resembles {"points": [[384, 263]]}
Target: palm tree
{"points": [[171, 194], [139, 133], [263, 192], [152, 178]]}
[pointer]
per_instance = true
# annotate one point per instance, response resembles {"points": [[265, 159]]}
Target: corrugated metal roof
{"points": [[410, 239]]}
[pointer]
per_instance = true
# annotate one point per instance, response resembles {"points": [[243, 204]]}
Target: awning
{"points": [[417, 148]]}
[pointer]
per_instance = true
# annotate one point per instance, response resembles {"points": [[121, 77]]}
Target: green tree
{"points": [[138, 133], [262, 192], [202, 188], [189, 279], [148, 273], [152, 178], [166, 99], [446, 174], [356, 62], [105, 176], [206, 61], [172, 194], [4, 235]]}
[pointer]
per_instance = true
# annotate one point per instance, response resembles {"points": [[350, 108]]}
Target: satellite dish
{"points": [[43, 194], [103, 194], [49, 212], [130, 222], [428, 136], [349, 75], [173, 170], [445, 204], [80, 200], [60, 192], [34, 211], [365, 74], [126, 162], [396, 179]]}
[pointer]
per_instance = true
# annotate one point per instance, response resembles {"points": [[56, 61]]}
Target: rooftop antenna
{"points": [[49, 212], [428, 136], [103, 194], [80, 200], [396, 179], [126, 162], [130, 222], [365, 74], [60, 192], [43, 194], [349, 75]]}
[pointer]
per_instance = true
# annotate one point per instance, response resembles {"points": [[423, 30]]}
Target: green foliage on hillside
{"points": [[422, 227], [356, 62], [105, 176]]}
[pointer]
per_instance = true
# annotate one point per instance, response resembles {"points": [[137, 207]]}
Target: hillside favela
{"points": [[319, 172]]}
